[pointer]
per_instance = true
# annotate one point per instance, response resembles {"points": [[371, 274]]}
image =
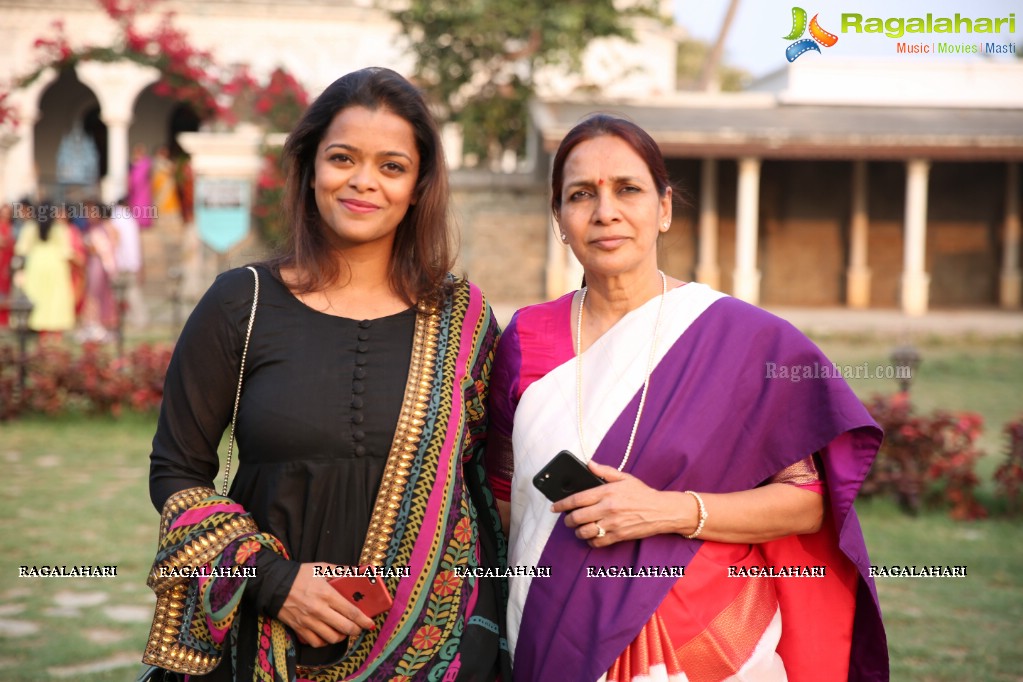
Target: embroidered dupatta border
{"points": [[406, 437], [427, 451], [377, 548], [164, 646]]}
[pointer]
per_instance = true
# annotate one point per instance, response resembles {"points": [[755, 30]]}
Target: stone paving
{"points": [[80, 605]]}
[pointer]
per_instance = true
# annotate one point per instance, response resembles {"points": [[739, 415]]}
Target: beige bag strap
{"points": [[241, 374]]}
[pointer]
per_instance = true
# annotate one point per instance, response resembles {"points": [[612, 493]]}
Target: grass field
{"points": [[74, 491]]}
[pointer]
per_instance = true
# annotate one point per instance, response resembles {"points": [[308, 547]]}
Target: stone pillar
{"points": [[230, 161], [1011, 284], [554, 285], [857, 278], [115, 184], [746, 279], [707, 271], [564, 271], [915, 280], [22, 177], [7, 140]]}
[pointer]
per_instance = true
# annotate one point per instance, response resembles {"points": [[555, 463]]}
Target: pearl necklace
{"points": [[646, 381]]}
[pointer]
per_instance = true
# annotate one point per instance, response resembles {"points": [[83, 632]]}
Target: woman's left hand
{"points": [[624, 507]]}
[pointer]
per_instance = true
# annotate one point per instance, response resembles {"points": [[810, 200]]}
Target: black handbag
{"points": [[154, 673]]}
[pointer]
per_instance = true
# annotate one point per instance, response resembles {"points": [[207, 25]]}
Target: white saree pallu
{"points": [[613, 370]]}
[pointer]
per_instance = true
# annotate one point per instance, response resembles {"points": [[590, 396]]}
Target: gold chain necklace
{"points": [[646, 381]]}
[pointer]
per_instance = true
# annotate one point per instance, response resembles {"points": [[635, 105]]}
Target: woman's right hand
{"points": [[317, 613]]}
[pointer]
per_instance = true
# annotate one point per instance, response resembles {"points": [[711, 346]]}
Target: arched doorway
{"points": [[157, 120], [69, 140], [183, 119]]}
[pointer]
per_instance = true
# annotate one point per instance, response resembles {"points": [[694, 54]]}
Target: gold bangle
{"points": [[703, 515]]}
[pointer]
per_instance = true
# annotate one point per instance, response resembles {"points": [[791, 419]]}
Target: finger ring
{"points": [[600, 531]]}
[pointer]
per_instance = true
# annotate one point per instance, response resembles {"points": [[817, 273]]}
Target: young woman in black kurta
{"points": [[361, 425]]}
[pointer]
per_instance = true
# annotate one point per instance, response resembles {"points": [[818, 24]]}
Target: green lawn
{"points": [[948, 628], [74, 491]]}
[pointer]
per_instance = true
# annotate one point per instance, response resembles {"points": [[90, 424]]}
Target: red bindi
{"points": [[600, 181]]}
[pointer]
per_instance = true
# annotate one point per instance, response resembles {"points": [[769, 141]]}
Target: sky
{"points": [[756, 41]]}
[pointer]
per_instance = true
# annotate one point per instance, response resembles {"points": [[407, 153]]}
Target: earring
{"points": [[564, 237], [665, 225]]}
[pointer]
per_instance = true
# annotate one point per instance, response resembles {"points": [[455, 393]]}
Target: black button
{"points": [[365, 324], [360, 451], [359, 435], [360, 372], [358, 418], [362, 347], [358, 387], [360, 360], [363, 336], [357, 402]]}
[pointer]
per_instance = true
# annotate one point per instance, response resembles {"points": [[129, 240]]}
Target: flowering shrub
{"points": [[279, 104], [266, 208], [62, 379], [1009, 476], [9, 120], [8, 383], [925, 458]]}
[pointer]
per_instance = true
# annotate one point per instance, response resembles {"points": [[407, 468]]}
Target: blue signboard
{"points": [[222, 208]]}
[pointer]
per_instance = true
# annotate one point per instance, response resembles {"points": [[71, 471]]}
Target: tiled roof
{"points": [[805, 131]]}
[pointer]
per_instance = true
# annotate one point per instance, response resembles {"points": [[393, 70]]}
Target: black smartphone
{"points": [[565, 475]]}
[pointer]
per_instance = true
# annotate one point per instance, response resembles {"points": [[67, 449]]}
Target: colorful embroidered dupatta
{"points": [[433, 514], [713, 422]]}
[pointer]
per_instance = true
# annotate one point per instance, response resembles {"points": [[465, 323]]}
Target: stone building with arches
{"points": [[314, 41], [115, 101]]}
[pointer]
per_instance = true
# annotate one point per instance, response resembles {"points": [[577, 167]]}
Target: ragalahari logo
{"points": [[817, 35]]}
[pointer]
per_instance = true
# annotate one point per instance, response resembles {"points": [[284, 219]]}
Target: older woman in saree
{"points": [[713, 471]]}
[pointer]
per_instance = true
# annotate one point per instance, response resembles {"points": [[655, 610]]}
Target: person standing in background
{"points": [[79, 259], [99, 314], [140, 196], [184, 178], [6, 255], [128, 257], [165, 191], [46, 245]]}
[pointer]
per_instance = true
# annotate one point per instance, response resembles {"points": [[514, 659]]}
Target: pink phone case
{"points": [[366, 592]]}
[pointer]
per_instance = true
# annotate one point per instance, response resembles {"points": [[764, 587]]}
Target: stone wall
{"points": [[503, 222]]}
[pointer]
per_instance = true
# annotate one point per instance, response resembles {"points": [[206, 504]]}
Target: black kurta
{"points": [[319, 406]]}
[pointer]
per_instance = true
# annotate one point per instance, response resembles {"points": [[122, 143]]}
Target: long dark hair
{"points": [[422, 253], [45, 214], [598, 125]]}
